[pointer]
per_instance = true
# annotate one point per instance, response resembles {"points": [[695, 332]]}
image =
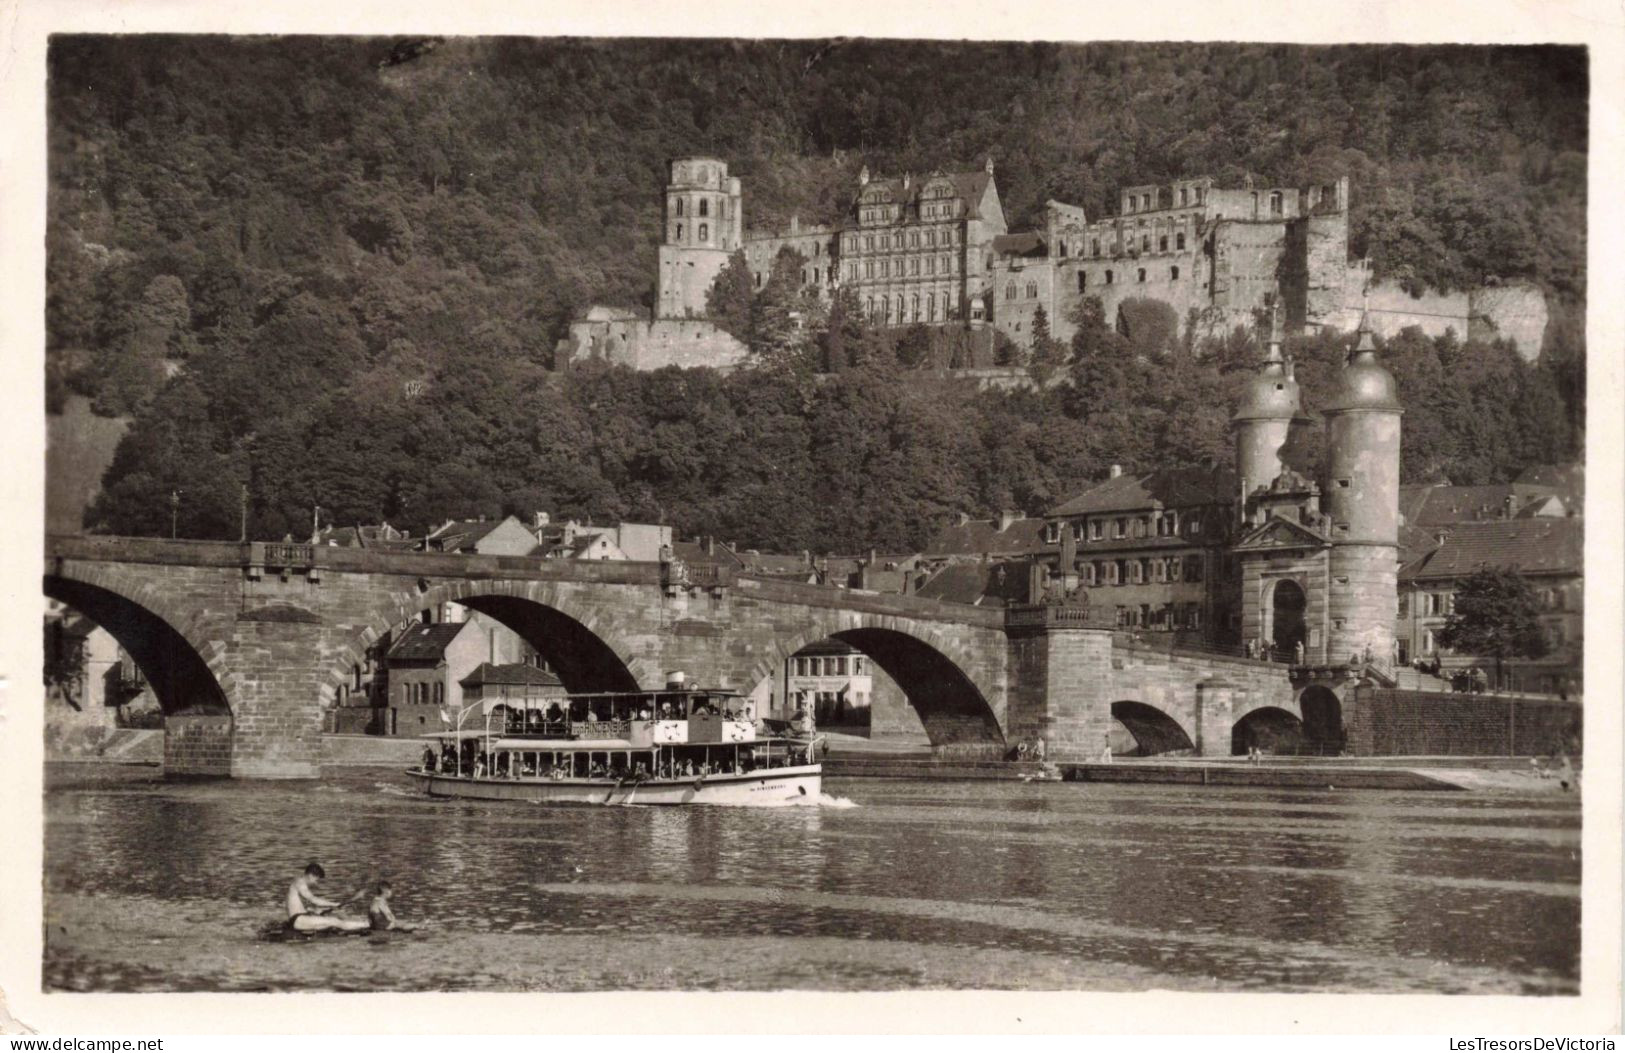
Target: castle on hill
{"points": [[936, 251]]}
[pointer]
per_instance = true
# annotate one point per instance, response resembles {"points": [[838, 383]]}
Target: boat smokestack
{"points": [[676, 680]]}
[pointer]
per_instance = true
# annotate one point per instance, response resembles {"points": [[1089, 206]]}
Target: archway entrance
{"points": [[1322, 720], [1153, 730], [1287, 606], [1270, 728]]}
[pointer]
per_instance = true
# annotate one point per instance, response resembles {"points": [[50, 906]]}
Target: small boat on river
{"points": [[680, 745]]}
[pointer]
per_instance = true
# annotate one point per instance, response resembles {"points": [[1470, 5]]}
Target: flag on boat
{"points": [[445, 716]]}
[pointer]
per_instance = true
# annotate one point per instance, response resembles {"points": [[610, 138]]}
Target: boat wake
{"points": [[826, 800]]}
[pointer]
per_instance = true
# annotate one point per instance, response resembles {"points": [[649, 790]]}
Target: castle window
{"points": [[1176, 569], [868, 268], [852, 272], [705, 207], [1108, 277], [1060, 249], [885, 241], [899, 307], [868, 243], [1162, 243], [1142, 274], [916, 307], [1094, 247], [758, 279], [931, 238], [1136, 571], [869, 307], [946, 266], [1179, 240], [1145, 243], [914, 239], [1114, 572], [705, 229], [1173, 274], [1032, 290], [930, 307], [1184, 196], [1193, 568], [1088, 573], [1010, 291], [679, 233], [930, 265], [914, 266], [885, 268], [1275, 204], [1083, 281], [679, 206]]}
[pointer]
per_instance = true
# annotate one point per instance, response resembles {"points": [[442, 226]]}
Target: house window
{"points": [[1077, 530], [1173, 274], [1136, 572], [1088, 573], [1120, 528], [1176, 569], [1193, 568], [439, 693], [1052, 532], [1275, 204], [1404, 605], [1094, 530], [1114, 572], [1427, 641]]}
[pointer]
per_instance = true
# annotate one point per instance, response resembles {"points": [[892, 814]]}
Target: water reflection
{"points": [[947, 885]]}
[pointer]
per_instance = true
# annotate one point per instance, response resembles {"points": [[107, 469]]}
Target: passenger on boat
{"points": [[428, 758], [667, 712], [448, 758]]}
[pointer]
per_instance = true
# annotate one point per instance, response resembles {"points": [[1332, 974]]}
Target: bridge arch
{"points": [[1322, 711], [1271, 728], [928, 666], [183, 663], [1154, 730], [581, 645]]}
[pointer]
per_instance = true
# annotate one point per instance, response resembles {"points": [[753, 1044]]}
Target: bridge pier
{"points": [[1060, 679], [1214, 706]]}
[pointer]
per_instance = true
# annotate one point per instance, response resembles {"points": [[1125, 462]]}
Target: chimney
{"points": [[1006, 517], [710, 545], [1116, 471]]}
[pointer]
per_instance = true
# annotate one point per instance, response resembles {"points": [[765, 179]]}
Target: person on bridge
{"points": [[308, 912]]}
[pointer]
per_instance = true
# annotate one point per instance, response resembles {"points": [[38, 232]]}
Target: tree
{"points": [[1496, 615], [728, 301], [1048, 353]]}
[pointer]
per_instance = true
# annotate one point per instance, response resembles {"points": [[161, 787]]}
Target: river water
{"points": [[887, 885]]}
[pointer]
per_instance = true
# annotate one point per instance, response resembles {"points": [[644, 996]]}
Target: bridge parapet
{"points": [[1056, 616]]}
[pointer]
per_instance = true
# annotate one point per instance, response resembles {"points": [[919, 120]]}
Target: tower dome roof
{"points": [[1273, 393], [1364, 384]]}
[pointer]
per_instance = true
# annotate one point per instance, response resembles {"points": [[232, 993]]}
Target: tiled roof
{"points": [[514, 673], [987, 584], [977, 536], [465, 533], [419, 642], [1440, 505], [1531, 546], [693, 552], [1165, 488], [969, 186]]}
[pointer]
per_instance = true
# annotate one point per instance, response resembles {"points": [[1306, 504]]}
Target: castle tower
{"points": [[1270, 407], [705, 224], [1360, 496]]}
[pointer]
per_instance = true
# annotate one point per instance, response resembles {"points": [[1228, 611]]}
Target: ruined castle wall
{"points": [[1392, 309], [653, 345], [817, 246], [1512, 312], [1248, 261]]}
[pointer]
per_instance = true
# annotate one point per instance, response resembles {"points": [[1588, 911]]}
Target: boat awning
{"points": [[555, 745]]}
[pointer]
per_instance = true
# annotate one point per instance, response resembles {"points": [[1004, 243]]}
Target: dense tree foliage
{"points": [[336, 280], [1496, 616]]}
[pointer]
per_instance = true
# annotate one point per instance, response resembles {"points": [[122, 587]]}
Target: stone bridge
{"points": [[246, 645]]}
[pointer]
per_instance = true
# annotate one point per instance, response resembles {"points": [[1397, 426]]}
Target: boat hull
{"points": [[772, 788]]}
